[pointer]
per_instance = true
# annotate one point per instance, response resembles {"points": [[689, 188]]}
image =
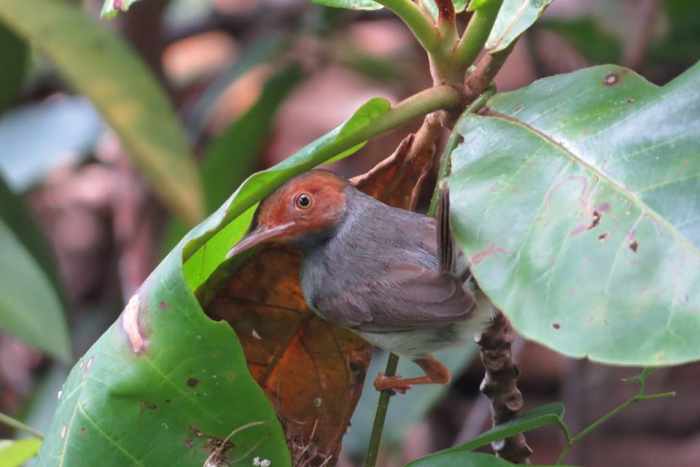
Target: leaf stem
{"points": [[444, 166], [418, 22], [486, 69], [17, 425], [429, 100], [476, 34], [640, 396], [380, 415]]}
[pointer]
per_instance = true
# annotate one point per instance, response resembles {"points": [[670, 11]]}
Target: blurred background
{"points": [[252, 81]]}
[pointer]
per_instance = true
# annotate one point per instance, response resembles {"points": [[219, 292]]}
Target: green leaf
{"points": [[100, 65], [462, 459], [164, 385], [550, 414], [233, 155], [350, 4], [30, 301], [586, 35], [165, 381], [479, 4], [576, 200], [204, 254], [514, 18], [14, 61], [14, 453]]}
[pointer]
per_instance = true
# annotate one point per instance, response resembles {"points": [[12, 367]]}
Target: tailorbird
{"points": [[388, 274]]}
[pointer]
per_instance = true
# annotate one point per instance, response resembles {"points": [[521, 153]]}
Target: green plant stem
{"points": [[380, 415], [429, 100], [418, 22], [486, 69], [640, 396], [17, 425], [444, 166], [476, 34]]}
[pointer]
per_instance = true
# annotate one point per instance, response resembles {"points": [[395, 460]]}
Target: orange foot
{"points": [[391, 383]]}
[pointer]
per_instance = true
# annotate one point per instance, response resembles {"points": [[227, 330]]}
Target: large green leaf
{"points": [[514, 18], [462, 459], [550, 414], [30, 300], [14, 59], [576, 199], [101, 66], [165, 384], [16, 453]]}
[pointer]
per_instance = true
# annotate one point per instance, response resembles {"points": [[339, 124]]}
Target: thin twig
{"points": [[380, 415], [640, 396], [17, 425]]}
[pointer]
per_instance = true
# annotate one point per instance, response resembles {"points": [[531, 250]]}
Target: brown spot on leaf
{"points": [[192, 382], [630, 100], [556, 326], [163, 305], [481, 255], [634, 245], [603, 236], [218, 452], [611, 79], [595, 221]]}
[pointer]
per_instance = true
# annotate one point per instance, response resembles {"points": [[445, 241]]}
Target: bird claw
{"points": [[391, 383]]}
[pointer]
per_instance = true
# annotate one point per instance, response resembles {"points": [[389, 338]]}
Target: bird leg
{"points": [[435, 373]]}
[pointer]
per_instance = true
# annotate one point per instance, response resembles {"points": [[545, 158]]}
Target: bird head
{"points": [[306, 208]]}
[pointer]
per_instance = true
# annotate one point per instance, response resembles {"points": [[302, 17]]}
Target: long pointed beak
{"points": [[258, 236]]}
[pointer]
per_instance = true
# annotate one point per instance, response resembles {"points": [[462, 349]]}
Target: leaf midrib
{"points": [[624, 191]]}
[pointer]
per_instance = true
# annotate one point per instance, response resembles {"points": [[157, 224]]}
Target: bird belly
{"points": [[418, 342]]}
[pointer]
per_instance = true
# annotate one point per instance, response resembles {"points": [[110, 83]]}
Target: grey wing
{"points": [[408, 297]]}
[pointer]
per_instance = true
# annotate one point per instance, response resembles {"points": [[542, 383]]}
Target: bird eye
{"points": [[303, 201]]}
